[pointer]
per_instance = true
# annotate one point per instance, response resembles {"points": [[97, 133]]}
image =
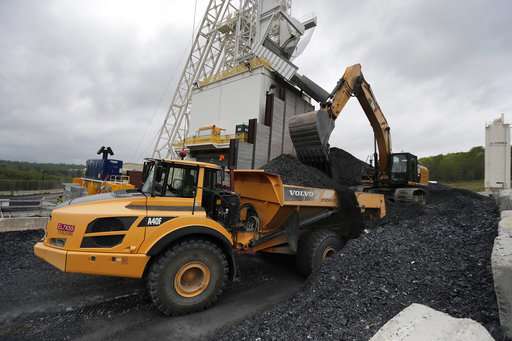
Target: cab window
{"points": [[181, 182], [399, 164], [399, 168], [173, 180], [211, 186], [159, 181], [212, 178]]}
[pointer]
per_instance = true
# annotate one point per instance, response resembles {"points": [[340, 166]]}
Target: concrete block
{"points": [[501, 261], [506, 213], [504, 199], [421, 323], [276, 146], [262, 140], [244, 155], [505, 226], [22, 223]]}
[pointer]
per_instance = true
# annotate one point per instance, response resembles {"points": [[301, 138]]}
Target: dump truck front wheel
{"points": [[314, 247], [188, 277]]}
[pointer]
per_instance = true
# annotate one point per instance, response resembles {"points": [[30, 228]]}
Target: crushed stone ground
{"points": [[438, 255]]}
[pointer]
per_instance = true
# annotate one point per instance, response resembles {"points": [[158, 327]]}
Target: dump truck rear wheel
{"points": [[188, 277], [314, 247]]}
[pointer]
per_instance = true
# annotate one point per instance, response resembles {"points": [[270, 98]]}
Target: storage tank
{"points": [[102, 169], [497, 155]]}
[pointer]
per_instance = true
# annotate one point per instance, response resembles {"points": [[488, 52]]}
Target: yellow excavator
{"points": [[396, 173]]}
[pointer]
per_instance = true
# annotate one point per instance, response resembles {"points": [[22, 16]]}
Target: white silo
{"points": [[497, 155]]}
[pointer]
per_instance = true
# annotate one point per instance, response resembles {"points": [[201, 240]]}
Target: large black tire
{"points": [[164, 277], [314, 247]]}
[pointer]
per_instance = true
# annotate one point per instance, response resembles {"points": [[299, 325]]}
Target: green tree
{"points": [[461, 166]]}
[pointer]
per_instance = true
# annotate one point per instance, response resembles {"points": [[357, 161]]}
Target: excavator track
{"points": [[310, 134]]}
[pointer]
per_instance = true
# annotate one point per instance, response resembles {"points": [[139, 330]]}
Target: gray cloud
{"points": [[74, 76], [439, 69], [70, 82]]}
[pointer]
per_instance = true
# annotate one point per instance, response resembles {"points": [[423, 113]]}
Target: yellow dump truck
{"points": [[181, 229]]}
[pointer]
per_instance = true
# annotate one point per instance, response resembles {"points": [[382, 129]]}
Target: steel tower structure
{"points": [[225, 38]]}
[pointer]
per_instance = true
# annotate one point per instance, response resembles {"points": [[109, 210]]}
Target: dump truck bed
{"points": [[257, 184], [261, 185], [273, 199], [283, 210]]}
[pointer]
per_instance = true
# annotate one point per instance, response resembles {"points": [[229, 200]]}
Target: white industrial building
{"points": [[497, 155], [240, 72], [232, 100], [258, 94]]}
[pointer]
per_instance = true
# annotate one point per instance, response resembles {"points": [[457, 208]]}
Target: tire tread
{"points": [[308, 243], [158, 266]]}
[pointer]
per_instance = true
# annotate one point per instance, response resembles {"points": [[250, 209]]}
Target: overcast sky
{"points": [[75, 75]]}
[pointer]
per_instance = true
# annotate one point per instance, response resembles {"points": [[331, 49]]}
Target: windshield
{"points": [[170, 180], [148, 182], [399, 164]]}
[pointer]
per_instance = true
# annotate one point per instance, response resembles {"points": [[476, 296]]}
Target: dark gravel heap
{"points": [[438, 255], [294, 172], [346, 169]]}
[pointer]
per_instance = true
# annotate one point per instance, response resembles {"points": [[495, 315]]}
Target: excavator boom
{"points": [[397, 173], [310, 132]]}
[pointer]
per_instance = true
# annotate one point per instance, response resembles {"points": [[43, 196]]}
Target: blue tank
{"points": [[101, 169]]}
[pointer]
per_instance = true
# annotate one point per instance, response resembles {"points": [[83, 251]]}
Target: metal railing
{"points": [[211, 139], [20, 204], [12, 207]]}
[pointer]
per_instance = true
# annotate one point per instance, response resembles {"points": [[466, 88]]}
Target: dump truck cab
{"points": [[180, 230], [121, 233]]}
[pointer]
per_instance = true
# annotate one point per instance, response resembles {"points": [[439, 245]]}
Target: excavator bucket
{"points": [[310, 134]]}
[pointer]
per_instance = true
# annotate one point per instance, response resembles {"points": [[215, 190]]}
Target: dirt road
{"points": [[39, 302]]}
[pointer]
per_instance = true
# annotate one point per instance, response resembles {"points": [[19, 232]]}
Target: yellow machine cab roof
{"points": [[193, 163]]}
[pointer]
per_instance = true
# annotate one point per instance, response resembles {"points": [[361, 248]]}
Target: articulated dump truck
{"points": [[182, 229]]}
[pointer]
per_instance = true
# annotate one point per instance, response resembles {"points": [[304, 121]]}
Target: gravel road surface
{"points": [[39, 302]]}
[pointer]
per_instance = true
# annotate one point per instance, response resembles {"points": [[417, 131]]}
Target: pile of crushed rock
{"points": [[294, 172], [346, 169], [438, 255]]}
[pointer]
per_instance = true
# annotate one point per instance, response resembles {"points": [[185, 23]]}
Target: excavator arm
{"points": [[310, 132], [353, 84]]}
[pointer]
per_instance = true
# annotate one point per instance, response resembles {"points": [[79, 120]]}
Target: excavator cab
{"points": [[404, 168]]}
